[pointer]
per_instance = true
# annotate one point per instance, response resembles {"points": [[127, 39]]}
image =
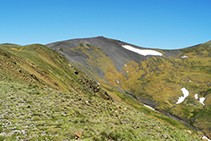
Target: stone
{"points": [[165, 136], [78, 134]]}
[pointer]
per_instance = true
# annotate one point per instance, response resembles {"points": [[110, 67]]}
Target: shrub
{"points": [[81, 45]]}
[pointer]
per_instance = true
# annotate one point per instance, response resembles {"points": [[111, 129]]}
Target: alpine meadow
{"points": [[104, 89]]}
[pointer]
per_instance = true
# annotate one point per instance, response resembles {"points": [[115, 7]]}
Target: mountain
{"points": [[45, 97], [174, 82]]}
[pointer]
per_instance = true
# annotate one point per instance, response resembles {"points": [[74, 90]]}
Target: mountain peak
{"points": [[152, 76]]}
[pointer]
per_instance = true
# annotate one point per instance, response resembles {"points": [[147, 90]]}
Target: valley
{"points": [[121, 96], [155, 77]]}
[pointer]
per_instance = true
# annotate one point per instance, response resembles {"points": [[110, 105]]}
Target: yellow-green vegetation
{"points": [[158, 80], [45, 97], [163, 83], [29, 112], [37, 64]]}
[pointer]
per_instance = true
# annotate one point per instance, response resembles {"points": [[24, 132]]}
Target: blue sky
{"points": [[164, 24]]}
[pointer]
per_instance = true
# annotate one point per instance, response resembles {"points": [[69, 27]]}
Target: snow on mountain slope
{"points": [[154, 77], [201, 100], [143, 52], [196, 96], [149, 107], [205, 138], [182, 98]]}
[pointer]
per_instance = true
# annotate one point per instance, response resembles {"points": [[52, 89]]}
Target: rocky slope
{"points": [[44, 97], [154, 77]]}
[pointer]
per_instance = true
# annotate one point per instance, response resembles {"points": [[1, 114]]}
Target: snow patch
{"points": [[142, 51], [184, 57], [201, 100], [189, 80], [125, 65], [204, 137], [127, 71], [182, 98], [117, 81], [97, 82], [149, 107], [196, 96]]}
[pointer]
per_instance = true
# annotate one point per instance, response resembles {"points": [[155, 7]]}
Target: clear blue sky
{"points": [[165, 24]]}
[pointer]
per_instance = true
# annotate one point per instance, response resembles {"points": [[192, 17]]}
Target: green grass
{"points": [[44, 97], [163, 80], [52, 116], [158, 80]]}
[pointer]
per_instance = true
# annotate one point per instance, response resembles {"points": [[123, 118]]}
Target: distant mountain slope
{"points": [[44, 97], [99, 47], [156, 80]]}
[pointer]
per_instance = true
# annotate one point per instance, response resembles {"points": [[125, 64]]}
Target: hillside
{"points": [[44, 97], [174, 82]]}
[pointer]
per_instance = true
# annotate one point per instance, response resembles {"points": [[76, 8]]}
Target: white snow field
{"points": [[117, 81], [149, 107], [196, 96], [182, 98], [143, 52], [201, 100], [184, 57], [204, 137]]}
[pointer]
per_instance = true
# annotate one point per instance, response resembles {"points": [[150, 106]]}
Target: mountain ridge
{"points": [[118, 40], [45, 97], [156, 80]]}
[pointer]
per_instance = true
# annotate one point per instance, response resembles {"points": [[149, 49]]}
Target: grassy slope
{"points": [[44, 97], [157, 80]]}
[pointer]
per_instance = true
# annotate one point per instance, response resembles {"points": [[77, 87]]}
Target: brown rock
{"points": [[78, 134], [165, 136]]}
